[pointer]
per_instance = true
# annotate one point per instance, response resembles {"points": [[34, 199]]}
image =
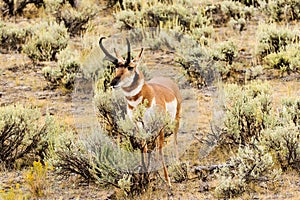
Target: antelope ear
{"points": [[139, 57]]}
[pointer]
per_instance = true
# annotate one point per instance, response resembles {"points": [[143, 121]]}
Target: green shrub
{"points": [[273, 39], [53, 7], [156, 14], [287, 59], [236, 10], [224, 54], [65, 74], [250, 166], [282, 10], [239, 24], [96, 159], [247, 112], [24, 135], [225, 51], [48, 39], [196, 62], [283, 143], [202, 34], [111, 3], [222, 13], [134, 5], [13, 7], [13, 36], [160, 15], [255, 3], [76, 19], [290, 112], [283, 139], [128, 19]]}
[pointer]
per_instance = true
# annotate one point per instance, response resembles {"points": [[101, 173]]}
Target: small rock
{"points": [[24, 88]]}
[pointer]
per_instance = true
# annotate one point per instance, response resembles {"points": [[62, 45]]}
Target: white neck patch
{"points": [[134, 91], [136, 102]]}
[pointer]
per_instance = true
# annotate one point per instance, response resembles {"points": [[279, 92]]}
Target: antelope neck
{"points": [[132, 92]]}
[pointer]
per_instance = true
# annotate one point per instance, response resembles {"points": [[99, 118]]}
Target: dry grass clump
{"points": [[36, 179], [14, 193]]}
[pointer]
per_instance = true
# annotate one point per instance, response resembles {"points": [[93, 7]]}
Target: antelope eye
{"points": [[130, 68]]}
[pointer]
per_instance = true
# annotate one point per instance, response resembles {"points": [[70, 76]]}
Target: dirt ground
{"points": [[23, 82]]}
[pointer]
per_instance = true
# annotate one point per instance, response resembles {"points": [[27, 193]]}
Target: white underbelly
{"points": [[171, 109]]}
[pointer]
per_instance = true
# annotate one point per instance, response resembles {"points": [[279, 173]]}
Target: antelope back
{"points": [[168, 83]]}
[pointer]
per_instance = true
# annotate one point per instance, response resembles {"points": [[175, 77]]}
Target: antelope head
{"points": [[126, 69]]}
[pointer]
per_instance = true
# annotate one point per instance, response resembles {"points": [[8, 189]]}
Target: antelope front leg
{"points": [[161, 154], [145, 158], [175, 140]]}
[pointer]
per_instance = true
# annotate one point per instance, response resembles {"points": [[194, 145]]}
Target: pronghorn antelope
{"points": [[159, 93]]}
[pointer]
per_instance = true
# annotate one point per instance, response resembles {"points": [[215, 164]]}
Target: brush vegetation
{"points": [[241, 43]]}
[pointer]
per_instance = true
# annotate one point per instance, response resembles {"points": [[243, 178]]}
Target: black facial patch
{"points": [[115, 81]]}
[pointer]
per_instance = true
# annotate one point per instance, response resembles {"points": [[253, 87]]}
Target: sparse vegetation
{"points": [[253, 147], [14, 193], [175, 16]]}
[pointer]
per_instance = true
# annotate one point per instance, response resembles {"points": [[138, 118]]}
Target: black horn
{"points": [[113, 59], [128, 59]]}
